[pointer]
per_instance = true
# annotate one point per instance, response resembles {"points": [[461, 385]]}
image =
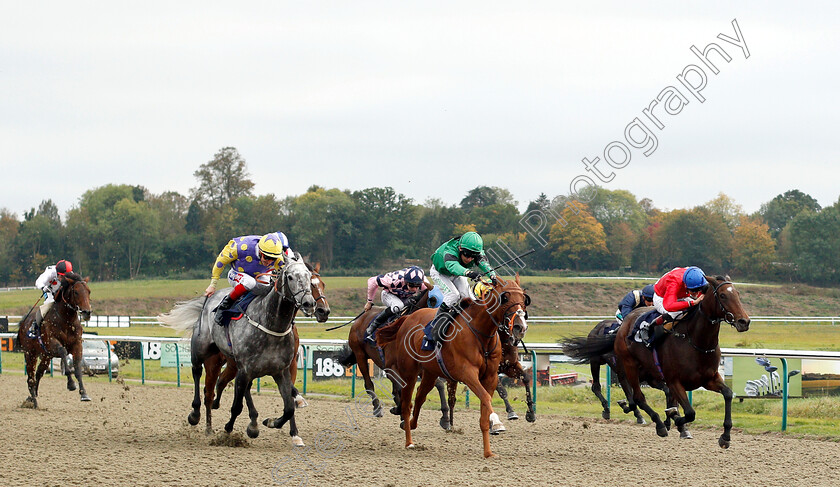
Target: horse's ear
{"points": [[318, 267], [516, 279], [87, 279], [527, 300], [727, 277]]}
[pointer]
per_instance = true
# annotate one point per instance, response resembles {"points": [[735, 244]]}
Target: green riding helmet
{"points": [[472, 242]]}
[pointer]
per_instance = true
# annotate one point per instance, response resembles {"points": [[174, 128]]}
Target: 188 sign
{"points": [[326, 367]]}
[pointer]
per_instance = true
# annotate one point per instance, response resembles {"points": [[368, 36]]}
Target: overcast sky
{"points": [[431, 98]]}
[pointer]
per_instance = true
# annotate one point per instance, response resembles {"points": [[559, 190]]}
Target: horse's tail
{"points": [[346, 357], [583, 349], [388, 334], [184, 316]]}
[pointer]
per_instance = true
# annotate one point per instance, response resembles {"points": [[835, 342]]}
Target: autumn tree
{"points": [[753, 249], [578, 239]]}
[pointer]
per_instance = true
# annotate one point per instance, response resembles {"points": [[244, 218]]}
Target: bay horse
{"points": [[261, 343], [689, 356], [213, 365], [470, 353], [358, 351], [595, 364], [61, 332]]}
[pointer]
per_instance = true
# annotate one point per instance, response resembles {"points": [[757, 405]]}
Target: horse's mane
{"points": [[72, 276], [388, 333]]}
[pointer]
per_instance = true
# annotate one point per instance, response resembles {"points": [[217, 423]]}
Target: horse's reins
{"points": [[728, 317], [282, 292]]}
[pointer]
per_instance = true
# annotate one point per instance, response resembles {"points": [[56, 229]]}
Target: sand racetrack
{"points": [[139, 436]]}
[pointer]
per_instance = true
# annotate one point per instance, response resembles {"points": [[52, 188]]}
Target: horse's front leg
{"points": [[212, 366], [451, 392], [195, 415], [58, 350], [39, 373], [242, 383], [78, 366], [527, 381], [284, 385], [595, 369], [488, 418], [426, 384], [718, 385], [444, 405], [31, 359], [253, 428]]}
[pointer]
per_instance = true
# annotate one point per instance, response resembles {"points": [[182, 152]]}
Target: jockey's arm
{"points": [[226, 256], [372, 286], [46, 277], [671, 300]]}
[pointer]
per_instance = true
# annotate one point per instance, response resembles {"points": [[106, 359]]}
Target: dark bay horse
{"points": [[689, 356], [261, 343], [471, 353], [61, 332], [213, 365], [358, 351]]}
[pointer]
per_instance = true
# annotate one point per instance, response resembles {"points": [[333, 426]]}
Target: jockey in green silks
{"points": [[452, 264]]}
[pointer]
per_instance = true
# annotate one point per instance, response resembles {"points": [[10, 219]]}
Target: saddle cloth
{"points": [[641, 328], [236, 311]]}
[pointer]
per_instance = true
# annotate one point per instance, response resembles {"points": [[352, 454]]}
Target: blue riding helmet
{"points": [[284, 240], [647, 291], [414, 275], [694, 278]]}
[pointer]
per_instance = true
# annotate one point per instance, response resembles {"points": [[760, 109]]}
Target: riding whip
{"points": [[30, 309], [511, 260], [345, 324]]}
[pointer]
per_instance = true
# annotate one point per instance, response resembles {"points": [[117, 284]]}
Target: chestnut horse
{"points": [[358, 351], [470, 353], [217, 379], [689, 356], [61, 331], [511, 367]]}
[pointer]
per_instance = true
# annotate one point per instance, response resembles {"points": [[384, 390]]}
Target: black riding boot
{"points": [[35, 327], [226, 303], [380, 320], [445, 315]]}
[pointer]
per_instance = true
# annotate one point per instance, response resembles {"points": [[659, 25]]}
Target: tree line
{"points": [[126, 232]]}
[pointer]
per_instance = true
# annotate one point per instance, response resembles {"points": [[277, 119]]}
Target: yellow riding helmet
{"points": [[480, 289], [271, 246]]}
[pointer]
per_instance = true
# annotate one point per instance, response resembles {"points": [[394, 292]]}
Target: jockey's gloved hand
{"points": [[473, 275], [411, 301], [494, 280]]}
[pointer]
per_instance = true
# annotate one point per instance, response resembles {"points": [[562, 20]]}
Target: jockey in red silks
{"points": [[251, 258], [674, 293], [49, 282], [399, 289]]}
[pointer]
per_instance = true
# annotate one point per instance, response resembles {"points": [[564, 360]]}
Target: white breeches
{"points": [[454, 288]]}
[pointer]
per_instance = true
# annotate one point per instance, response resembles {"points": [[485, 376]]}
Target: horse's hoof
{"points": [[641, 420], [723, 443], [395, 411], [444, 423], [662, 431], [193, 418], [208, 431], [671, 412], [268, 422], [496, 425], [512, 416], [414, 424], [71, 386], [605, 414], [215, 405], [377, 413], [252, 432], [622, 403], [530, 417], [410, 446], [686, 435], [297, 441], [85, 398], [402, 424], [300, 402]]}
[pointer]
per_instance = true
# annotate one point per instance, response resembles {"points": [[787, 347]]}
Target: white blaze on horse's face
{"points": [[520, 324]]}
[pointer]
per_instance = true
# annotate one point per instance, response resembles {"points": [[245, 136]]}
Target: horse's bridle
{"points": [[64, 301], [728, 316], [320, 295], [285, 291]]}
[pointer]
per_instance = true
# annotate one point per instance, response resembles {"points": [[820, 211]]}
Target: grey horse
{"points": [[261, 343]]}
